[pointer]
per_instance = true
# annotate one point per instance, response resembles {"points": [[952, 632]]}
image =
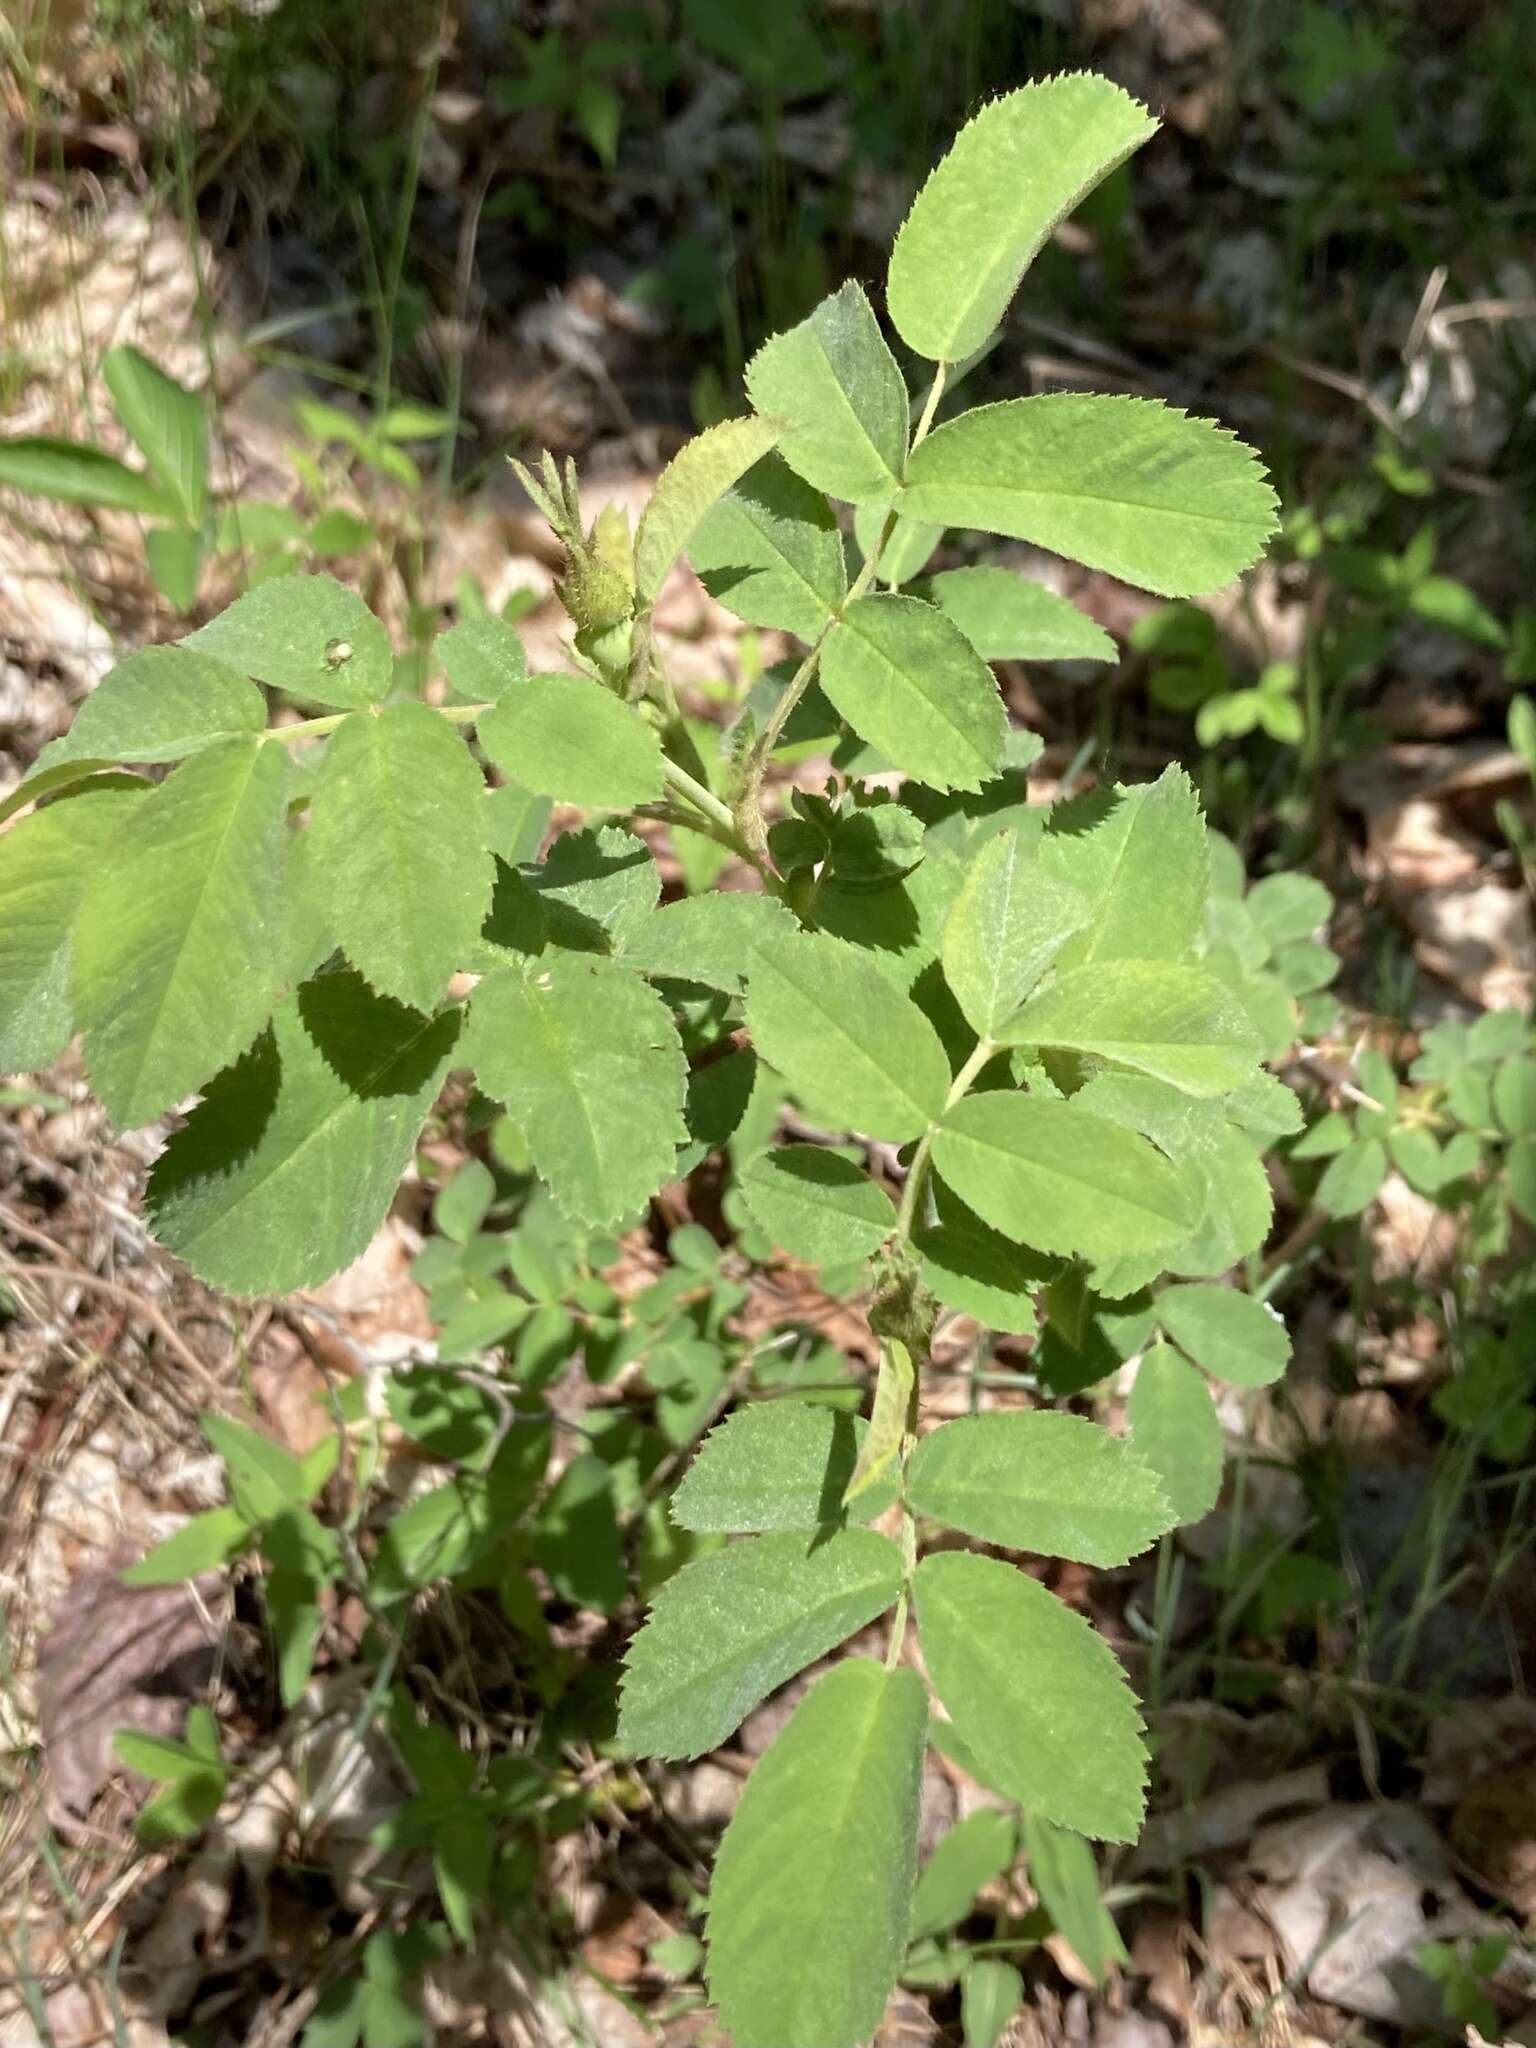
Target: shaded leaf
{"points": [[287, 1166], [398, 833], [770, 551], [1173, 1425], [702, 471]]}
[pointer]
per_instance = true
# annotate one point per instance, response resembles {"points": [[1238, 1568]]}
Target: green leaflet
{"points": [[47, 863], [809, 1905], [835, 382], [817, 1205], [887, 1424], [991, 1992], [1013, 174], [908, 681], [770, 551], [1007, 617], [1011, 918], [1175, 1428], [702, 471], [1061, 1869], [1034, 1693], [587, 1060], [47, 782], [481, 658], [569, 738], [1288, 907], [1232, 1196], [397, 831], [1055, 1484], [854, 1049], [1233, 1336], [306, 635], [287, 1166], [1142, 857], [729, 1628], [168, 424], [45, 467], [776, 1465], [596, 888], [1175, 1023], [1051, 1175], [970, 1268], [710, 939], [1353, 1180], [1127, 485], [177, 950], [974, 1852], [158, 705]]}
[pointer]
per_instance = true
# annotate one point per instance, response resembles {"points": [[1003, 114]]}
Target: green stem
{"points": [[317, 728], [906, 1215]]}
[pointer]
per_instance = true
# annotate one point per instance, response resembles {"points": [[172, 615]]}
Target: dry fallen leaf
{"points": [[117, 1657]]}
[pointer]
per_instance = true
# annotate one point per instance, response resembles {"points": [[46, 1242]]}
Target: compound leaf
{"points": [[849, 1043], [569, 738], [809, 1905], [728, 1629], [1038, 1698], [697, 475], [1174, 1426], [588, 1061], [817, 1205], [159, 704], [1233, 1336], [1008, 617], [1051, 1175], [1055, 1484], [776, 1465], [287, 1166], [178, 946], [398, 831], [1013, 174], [308, 635], [770, 551], [47, 863], [836, 383], [1175, 1023], [1011, 918], [1127, 485], [909, 682]]}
